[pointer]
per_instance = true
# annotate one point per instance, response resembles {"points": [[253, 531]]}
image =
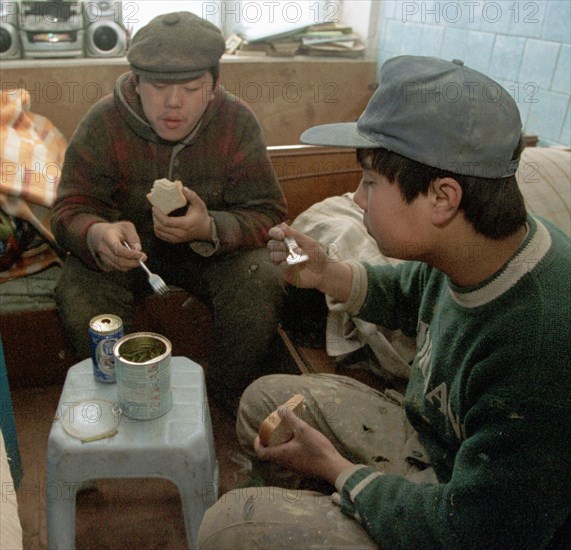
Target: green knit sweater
{"points": [[490, 395]]}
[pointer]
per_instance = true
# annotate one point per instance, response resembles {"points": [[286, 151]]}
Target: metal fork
{"points": [[294, 257], [156, 282]]}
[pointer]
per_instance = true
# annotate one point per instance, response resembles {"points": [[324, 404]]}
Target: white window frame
{"points": [[232, 16]]}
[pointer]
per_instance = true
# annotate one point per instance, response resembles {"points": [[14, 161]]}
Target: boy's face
{"points": [[397, 226], [174, 108]]}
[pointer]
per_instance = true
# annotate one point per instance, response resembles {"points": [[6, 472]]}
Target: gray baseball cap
{"points": [[175, 46], [436, 112]]}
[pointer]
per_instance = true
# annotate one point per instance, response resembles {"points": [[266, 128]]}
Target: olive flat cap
{"points": [[175, 46]]}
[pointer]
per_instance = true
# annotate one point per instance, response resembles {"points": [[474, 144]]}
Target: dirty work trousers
{"points": [[366, 426], [243, 290]]}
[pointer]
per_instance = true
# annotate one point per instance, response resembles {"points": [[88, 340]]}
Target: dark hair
{"points": [[495, 206], [215, 72]]}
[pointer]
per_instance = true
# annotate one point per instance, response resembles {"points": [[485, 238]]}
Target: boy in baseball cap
{"points": [[476, 453]]}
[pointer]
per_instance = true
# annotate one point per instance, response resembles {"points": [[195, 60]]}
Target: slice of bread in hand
{"points": [[167, 195], [273, 430]]}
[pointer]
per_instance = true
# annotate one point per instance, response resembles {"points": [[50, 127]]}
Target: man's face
{"points": [[174, 108], [399, 228]]}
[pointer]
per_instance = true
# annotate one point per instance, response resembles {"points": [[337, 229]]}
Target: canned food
{"points": [[104, 332], [142, 364]]}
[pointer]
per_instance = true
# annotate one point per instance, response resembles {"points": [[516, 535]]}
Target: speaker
{"points": [[10, 45], [105, 34]]}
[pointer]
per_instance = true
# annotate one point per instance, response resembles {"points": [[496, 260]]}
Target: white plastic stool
{"points": [[178, 446]]}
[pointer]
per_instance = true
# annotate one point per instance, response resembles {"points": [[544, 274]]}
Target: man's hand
{"points": [[106, 240], [308, 452], [195, 225]]}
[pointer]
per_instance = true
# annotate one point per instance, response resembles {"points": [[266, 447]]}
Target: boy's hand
{"points": [[308, 274], [308, 452], [195, 225], [106, 240]]}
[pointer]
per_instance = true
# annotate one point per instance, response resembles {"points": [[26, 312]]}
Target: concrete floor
{"points": [[117, 514]]}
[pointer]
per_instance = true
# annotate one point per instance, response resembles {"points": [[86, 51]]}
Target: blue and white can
{"points": [[104, 332]]}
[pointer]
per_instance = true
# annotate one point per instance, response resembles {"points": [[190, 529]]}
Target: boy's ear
{"points": [[445, 195]]}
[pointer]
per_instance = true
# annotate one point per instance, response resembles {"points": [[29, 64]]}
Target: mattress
{"points": [[29, 293]]}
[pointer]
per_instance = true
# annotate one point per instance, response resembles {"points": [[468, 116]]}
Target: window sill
{"points": [[39, 63]]}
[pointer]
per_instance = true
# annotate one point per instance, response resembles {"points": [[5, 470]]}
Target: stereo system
{"points": [[59, 28]]}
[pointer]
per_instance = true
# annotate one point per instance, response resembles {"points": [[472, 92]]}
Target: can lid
{"points": [[105, 323], [91, 419]]}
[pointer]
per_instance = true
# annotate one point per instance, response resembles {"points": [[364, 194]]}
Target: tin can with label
{"points": [[142, 364], [104, 332]]}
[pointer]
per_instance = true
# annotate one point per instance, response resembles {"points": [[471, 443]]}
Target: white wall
{"points": [[137, 13]]}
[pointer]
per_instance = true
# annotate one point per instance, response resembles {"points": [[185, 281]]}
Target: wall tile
{"points": [[539, 62], [454, 43], [506, 57], [431, 41], [526, 93], [565, 136], [495, 17], [546, 116], [528, 18], [562, 77], [557, 17], [412, 38], [479, 50], [461, 15]]}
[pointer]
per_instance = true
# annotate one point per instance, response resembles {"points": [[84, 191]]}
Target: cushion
{"points": [[544, 177]]}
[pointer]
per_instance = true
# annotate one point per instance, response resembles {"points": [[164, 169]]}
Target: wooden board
{"points": [[286, 95]]}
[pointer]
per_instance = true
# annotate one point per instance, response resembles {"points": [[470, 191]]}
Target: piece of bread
{"points": [[273, 431], [167, 195]]}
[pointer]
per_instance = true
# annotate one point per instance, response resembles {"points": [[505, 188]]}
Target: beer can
{"points": [[104, 331]]}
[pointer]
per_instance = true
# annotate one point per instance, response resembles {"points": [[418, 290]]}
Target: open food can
{"points": [[142, 367]]}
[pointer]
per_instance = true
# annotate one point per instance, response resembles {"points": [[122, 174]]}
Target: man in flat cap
{"points": [[477, 453], [169, 118]]}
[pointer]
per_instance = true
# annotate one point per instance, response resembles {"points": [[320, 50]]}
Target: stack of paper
{"points": [[332, 39], [325, 39]]}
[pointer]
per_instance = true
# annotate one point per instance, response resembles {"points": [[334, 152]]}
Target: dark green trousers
{"points": [[243, 289]]}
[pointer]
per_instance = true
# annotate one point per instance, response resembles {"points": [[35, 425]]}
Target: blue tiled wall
{"points": [[523, 45]]}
